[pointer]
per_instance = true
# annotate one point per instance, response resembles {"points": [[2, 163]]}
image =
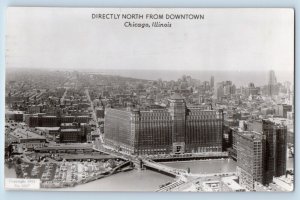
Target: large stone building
{"points": [[177, 129]]}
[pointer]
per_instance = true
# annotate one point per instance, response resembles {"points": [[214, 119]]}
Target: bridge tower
{"points": [[138, 164]]}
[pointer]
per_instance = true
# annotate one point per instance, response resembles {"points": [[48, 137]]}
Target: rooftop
{"points": [[14, 112], [70, 130], [252, 135], [230, 182], [48, 128], [25, 134], [68, 146], [278, 120], [68, 124], [176, 96]]}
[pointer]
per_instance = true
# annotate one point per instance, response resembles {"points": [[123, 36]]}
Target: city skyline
{"points": [[241, 79], [147, 125]]}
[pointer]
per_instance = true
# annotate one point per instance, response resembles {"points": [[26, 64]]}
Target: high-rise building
{"points": [[272, 84], [276, 149], [276, 146], [250, 158], [224, 89], [219, 90], [212, 82], [282, 110], [252, 90], [272, 78], [177, 129]]}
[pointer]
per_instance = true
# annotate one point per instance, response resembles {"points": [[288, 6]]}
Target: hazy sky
{"points": [[227, 39]]}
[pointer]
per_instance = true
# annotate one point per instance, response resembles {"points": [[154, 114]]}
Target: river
{"points": [[135, 180], [147, 180], [205, 166]]}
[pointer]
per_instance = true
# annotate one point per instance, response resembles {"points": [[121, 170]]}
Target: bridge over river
{"points": [[140, 162], [163, 168], [181, 176]]}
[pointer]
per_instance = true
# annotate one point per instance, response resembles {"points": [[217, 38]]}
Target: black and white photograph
{"points": [[149, 99]]}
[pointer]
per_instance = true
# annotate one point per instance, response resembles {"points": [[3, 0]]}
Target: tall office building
{"points": [[250, 158], [252, 90], [178, 129], [276, 146], [282, 110], [272, 78], [212, 82], [276, 149], [224, 89], [219, 90], [272, 84]]}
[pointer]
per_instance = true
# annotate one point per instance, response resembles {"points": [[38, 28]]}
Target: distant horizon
{"points": [[238, 77]]}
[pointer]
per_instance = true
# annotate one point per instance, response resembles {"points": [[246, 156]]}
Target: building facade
{"points": [[177, 129], [282, 110], [272, 87], [43, 120], [28, 139], [276, 149], [250, 158]]}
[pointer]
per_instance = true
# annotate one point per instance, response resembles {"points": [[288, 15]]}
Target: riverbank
{"points": [[133, 180], [53, 185], [146, 180], [63, 174]]}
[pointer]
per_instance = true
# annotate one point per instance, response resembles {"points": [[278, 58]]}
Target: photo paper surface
{"points": [[149, 99]]}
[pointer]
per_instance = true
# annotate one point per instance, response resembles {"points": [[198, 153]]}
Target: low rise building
{"points": [[14, 115], [230, 184], [66, 148], [27, 138], [71, 135]]}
